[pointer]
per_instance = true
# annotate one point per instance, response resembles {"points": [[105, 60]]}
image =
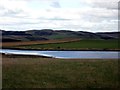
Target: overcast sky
{"points": [[76, 15]]}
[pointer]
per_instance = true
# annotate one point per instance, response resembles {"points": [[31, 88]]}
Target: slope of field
{"points": [[13, 44], [76, 45], [31, 72]]}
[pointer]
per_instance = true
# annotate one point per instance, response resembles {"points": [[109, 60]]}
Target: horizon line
{"points": [[57, 30]]}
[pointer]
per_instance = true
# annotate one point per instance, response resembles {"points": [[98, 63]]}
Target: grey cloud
{"points": [[56, 4], [99, 15], [93, 18], [12, 13], [106, 4], [54, 19], [2, 8], [59, 19]]}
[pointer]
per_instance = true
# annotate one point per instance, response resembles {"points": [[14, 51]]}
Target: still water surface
{"points": [[66, 54]]}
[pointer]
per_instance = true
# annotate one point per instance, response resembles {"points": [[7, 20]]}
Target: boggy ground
{"points": [[39, 72]]}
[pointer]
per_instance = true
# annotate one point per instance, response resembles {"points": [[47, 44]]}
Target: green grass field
{"points": [[28, 72], [76, 45]]}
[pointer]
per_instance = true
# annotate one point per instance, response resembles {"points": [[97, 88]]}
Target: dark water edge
{"points": [[61, 49], [33, 56]]}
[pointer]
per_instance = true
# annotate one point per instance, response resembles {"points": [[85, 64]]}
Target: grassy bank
{"points": [[36, 72], [75, 45]]}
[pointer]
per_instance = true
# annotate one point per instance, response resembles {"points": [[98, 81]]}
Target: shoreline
{"points": [[93, 49], [21, 55], [36, 56]]}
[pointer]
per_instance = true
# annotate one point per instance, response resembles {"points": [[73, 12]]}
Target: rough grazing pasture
{"points": [[37, 72], [13, 44], [76, 45]]}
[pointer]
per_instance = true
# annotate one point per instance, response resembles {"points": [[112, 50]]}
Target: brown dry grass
{"points": [[29, 72], [9, 44]]}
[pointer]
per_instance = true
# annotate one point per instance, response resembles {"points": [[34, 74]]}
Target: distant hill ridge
{"points": [[49, 34]]}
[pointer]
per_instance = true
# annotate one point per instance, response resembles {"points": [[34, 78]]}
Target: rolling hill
{"points": [[49, 34]]}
